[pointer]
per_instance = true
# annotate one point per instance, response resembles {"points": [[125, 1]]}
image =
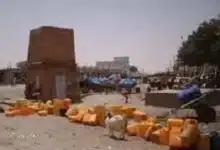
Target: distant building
{"points": [[121, 64], [10, 76]]}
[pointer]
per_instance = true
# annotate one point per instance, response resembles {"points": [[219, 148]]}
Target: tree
{"points": [[216, 52], [202, 45], [22, 65], [133, 69]]}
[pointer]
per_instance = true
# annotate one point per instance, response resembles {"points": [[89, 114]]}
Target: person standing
{"points": [[146, 89], [125, 94]]}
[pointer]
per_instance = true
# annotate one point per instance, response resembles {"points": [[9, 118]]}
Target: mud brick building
{"points": [[51, 62]]}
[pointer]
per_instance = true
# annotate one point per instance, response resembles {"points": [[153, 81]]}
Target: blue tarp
{"points": [[100, 80], [124, 83], [127, 83], [189, 92], [93, 80], [103, 80]]}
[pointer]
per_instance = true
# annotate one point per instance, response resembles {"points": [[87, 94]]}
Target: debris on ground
{"points": [[177, 133]]}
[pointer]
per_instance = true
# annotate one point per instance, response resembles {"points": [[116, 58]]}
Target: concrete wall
{"points": [[169, 100]]}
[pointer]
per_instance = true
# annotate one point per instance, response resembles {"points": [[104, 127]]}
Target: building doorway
{"points": [[60, 86]]}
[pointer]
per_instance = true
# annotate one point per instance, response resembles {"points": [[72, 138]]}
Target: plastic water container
{"points": [[173, 122], [215, 141], [204, 142]]}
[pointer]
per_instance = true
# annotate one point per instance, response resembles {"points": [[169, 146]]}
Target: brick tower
{"points": [[51, 62]]}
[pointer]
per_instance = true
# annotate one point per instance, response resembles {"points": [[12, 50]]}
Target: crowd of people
{"points": [[123, 84]]}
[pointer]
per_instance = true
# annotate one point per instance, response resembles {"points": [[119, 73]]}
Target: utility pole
{"points": [[9, 73], [174, 63], [184, 69]]}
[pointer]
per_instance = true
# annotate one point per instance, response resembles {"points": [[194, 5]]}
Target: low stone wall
{"points": [[169, 100]]}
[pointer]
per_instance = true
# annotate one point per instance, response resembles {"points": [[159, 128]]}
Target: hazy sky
{"points": [[149, 31]]}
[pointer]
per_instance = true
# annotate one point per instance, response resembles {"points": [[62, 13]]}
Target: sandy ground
{"points": [[57, 133], [13, 92], [34, 133]]}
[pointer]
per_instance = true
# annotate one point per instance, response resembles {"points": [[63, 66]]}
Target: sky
{"points": [[148, 31]]}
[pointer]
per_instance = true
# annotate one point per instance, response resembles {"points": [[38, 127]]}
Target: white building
{"points": [[118, 63]]}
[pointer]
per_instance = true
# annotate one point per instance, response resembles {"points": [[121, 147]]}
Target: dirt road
{"points": [[56, 133], [34, 133]]}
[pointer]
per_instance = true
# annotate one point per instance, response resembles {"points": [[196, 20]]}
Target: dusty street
{"points": [[56, 133], [34, 133], [12, 92]]}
